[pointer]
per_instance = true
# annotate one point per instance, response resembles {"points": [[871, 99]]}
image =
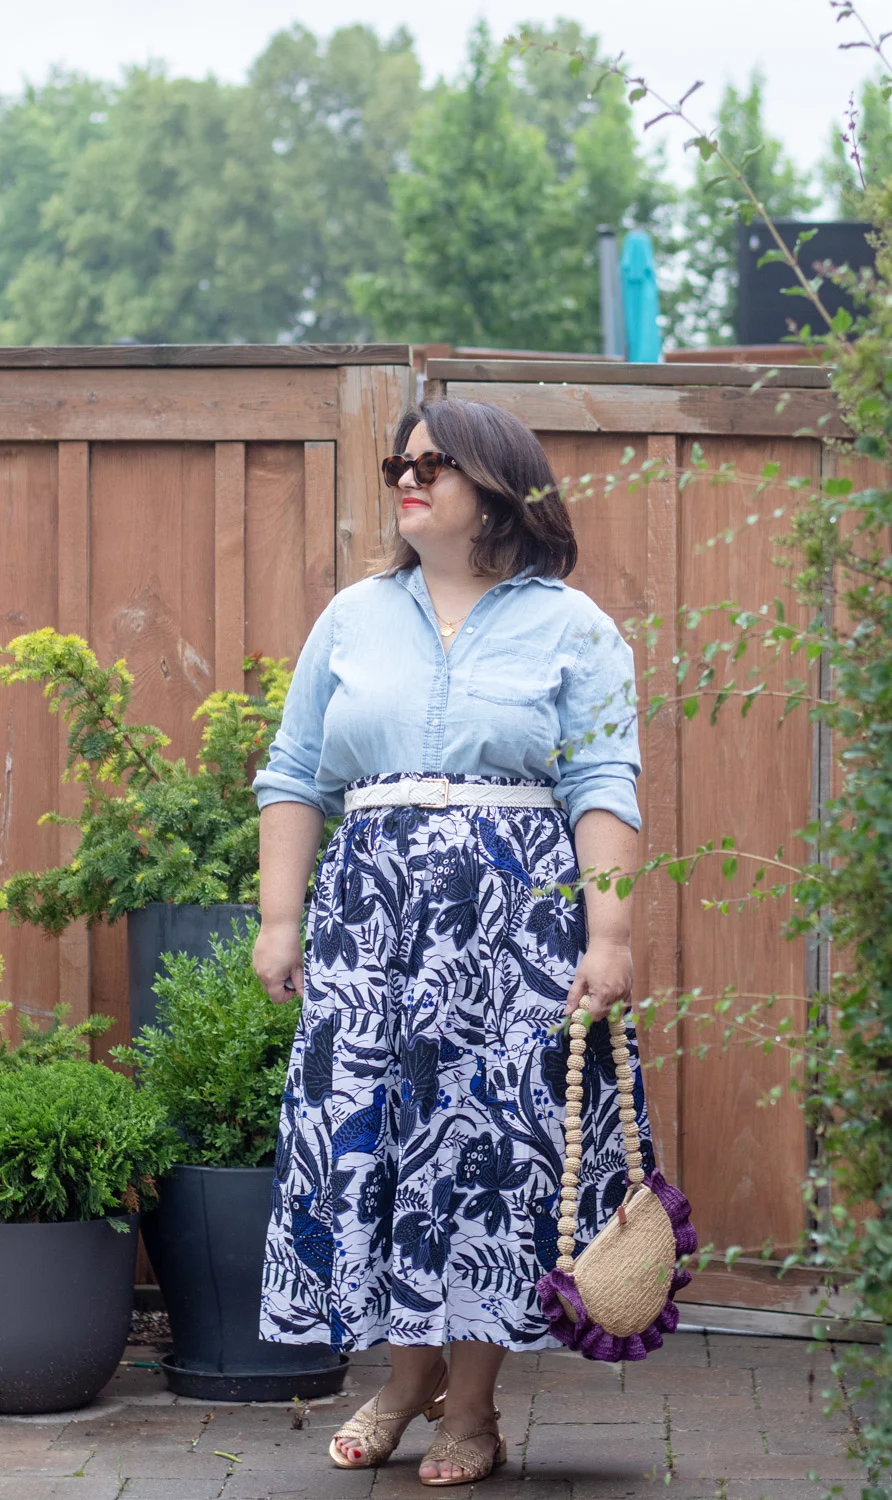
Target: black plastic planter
{"points": [[164, 927], [206, 1242], [66, 1295]]}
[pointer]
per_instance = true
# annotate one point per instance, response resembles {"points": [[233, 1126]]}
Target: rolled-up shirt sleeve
{"points": [[600, 760], [296, 751]]}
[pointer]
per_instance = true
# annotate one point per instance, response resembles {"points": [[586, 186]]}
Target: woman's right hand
{"points": [[278, 960]]}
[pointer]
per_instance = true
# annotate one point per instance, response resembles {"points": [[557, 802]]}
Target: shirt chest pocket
{"points": [[509, 675]]}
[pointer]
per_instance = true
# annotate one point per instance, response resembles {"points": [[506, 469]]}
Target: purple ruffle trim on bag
{"points": [[589, 1338]]}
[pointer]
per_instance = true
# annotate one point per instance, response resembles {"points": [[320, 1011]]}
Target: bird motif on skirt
{"points": [[500, 852], [361, 1131], [313, 1242], [485, 1095], [545, 1230]]}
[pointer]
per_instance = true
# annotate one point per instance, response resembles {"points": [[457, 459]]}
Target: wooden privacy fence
{"points": [[182, 508]]}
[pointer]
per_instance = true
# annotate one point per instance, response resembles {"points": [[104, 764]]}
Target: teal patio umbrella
{"points": [[641, 300]]}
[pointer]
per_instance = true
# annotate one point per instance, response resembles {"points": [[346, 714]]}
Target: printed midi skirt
{"points": [[420, 1147]]}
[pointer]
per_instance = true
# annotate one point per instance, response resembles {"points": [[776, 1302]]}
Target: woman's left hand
{"points": [[604, 977]]}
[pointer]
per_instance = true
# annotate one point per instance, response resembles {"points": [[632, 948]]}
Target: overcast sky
{"points": [[673, 42]]}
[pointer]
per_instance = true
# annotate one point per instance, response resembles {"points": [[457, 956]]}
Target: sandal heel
{"points": [[501, 1453], [434, 1412]]}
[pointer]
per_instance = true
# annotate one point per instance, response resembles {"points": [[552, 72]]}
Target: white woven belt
{"points": [[439, 792]]}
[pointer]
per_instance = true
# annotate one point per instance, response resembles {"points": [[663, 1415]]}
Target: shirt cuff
{"points": [[273, 786], [614, 794]]}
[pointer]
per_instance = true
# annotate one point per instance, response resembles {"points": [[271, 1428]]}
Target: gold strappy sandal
{"points": [[461, 1451], [377, 1441]]}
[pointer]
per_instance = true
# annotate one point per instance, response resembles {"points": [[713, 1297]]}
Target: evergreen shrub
{"points": [[151, 828], [77, 1141], [216, 1063], [59, 1042]]}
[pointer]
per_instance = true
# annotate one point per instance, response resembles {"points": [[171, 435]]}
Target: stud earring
{"points": [[484, 518]]}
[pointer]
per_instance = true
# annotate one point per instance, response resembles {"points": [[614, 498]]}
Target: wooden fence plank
{"points": [[369, 405], [73, 619], [276, 608], [170, 405], [558, 372], [152, 577], [29, 736], [319, 527], [152, 602], [229, 567], [660, 756], [654, 409], [290, 531], [194, 356]]}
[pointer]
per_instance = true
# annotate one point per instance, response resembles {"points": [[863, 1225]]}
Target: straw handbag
{"points": [[615, 1300]]}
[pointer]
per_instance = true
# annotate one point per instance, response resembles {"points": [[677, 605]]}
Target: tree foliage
{"points": [[152, 232], [589, 132], [498, 212], [339, 120], [175, 210], [331, 197], [482, 222], [42, 135]]}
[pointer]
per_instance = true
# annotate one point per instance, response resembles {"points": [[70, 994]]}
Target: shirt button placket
{"points": [[436, 721]]}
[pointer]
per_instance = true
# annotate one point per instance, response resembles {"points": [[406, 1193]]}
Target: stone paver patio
{"points": [[709, 1417]]}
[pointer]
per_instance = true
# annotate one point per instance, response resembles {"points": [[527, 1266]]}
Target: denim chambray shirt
{"points": [[534, 667]]}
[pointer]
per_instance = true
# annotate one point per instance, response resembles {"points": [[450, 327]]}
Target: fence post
{"points": [[73, 619], [229, 567], [662, 800]]}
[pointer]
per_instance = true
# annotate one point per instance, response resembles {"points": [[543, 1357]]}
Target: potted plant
{"points": [[175, 850], [216, 1064], [80, 1150]]}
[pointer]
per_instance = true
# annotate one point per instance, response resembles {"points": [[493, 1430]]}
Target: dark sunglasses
{"points": [[426, 467]]}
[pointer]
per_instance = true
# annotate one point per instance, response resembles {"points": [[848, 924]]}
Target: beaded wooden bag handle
{"points": [[567, 1223], [614, 1300]]}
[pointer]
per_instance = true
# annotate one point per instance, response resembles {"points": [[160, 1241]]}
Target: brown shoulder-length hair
{"points": [[507, 464]]}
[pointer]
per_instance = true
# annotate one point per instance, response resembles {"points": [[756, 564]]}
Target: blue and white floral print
{"points": [[420, 1148]]}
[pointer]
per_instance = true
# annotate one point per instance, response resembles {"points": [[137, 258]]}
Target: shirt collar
{"points": [[410, 578], [520, 578]]}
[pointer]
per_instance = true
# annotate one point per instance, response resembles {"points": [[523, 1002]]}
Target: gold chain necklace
{"points": [[449, 627]]}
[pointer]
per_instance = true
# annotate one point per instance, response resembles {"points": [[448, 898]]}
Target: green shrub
{"points": [[77, 1141], [57, 1042], [151, 828], [217, 1062]]}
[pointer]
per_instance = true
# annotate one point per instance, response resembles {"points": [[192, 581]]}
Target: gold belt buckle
{"points": [[438, 799]]}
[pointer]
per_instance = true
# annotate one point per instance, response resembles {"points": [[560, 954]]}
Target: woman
{"points": [[475, 717]]}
